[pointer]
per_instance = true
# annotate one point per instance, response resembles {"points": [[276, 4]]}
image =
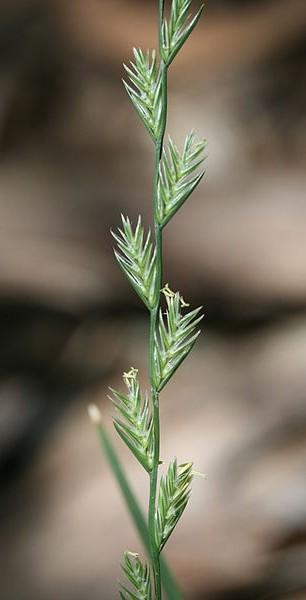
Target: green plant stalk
{"points": [[171, 336], [154, 550], [169, 584]]}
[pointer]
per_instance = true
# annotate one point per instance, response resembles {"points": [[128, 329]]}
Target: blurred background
{"points": [[73, 156]]}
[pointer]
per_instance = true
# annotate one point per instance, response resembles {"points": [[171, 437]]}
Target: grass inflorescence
{"points": [[173, 329]]}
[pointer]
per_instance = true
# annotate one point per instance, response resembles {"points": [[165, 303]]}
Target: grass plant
{"points": [[173, 328]]}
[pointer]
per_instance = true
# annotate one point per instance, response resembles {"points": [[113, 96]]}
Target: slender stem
{"points": [[161, 18], [155, 408], [155, 558]]}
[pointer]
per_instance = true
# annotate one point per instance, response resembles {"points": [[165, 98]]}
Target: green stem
{"points": [[155, 558], [161, 18]]}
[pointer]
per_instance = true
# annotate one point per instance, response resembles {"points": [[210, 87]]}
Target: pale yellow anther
{"points": [[169, 294], [183, 303], [131, 375]]}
